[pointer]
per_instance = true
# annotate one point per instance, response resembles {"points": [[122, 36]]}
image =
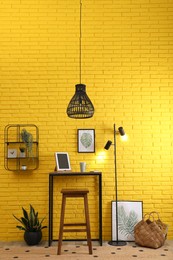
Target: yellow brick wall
{"points": [[127, 65]]}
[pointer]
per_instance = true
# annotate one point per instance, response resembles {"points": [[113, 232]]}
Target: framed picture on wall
{"points": [[86, 140], [129, 214]]}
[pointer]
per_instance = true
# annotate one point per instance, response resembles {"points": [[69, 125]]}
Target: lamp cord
{"points": [[80, 43]]}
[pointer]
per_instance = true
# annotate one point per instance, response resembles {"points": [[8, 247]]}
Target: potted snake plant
{"points": [[31, 225]]}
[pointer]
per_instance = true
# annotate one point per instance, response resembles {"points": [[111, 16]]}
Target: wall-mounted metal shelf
{"points": [[20, 155]]}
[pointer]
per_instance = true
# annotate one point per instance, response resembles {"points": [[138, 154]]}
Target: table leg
{"points": [[50, 208], [100, 209]]}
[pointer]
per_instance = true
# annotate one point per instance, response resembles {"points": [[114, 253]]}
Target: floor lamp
{"points": [[107, 146]]}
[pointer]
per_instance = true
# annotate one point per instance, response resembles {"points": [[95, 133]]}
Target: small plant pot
{"points": [[22, 155], [32, 238]]}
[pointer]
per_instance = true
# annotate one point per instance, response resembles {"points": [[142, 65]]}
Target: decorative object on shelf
{"points": [[23, 167], [31, 225], [12, 153], [129, 214], [22, 152], [151, 231], [86, 140], [80, 106], [27, 138], [120, 131]]}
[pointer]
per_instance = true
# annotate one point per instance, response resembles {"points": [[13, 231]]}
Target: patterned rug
{"points": [[9, 251]]}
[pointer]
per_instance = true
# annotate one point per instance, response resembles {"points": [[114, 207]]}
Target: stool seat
{"points": [[73, 193]]}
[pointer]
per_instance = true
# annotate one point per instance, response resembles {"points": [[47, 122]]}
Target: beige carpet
{"points": [[78, 251]]}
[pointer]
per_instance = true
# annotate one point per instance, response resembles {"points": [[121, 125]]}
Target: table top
{"points": [[68, 173]]}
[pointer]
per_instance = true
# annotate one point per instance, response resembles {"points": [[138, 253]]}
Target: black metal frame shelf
{"points": [[13, 143]]}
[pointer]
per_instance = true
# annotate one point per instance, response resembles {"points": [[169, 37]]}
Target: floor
{"points": [[79, 250]]}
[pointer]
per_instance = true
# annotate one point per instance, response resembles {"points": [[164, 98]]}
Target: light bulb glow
{"points": [[101, 156], [124, 138]]}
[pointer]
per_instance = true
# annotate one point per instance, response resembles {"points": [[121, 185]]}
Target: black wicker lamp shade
{"points": [[80, 106]]}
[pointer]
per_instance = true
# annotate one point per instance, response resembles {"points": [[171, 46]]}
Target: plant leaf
{"points": [[126, 222], [20, 227], [25, 214]]}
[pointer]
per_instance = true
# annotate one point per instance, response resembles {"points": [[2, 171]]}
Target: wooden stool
{"points": [[74, 194]]}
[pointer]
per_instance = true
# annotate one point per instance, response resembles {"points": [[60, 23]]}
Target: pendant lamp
{"points": [[80, 106]]}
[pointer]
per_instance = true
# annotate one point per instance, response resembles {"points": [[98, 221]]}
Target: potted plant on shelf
{"points": [[31, 225], [27, 138], [22, 152]]}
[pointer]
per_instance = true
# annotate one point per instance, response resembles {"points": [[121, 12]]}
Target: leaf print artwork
{"points": [[129, 214], [86, 139], [126, 222]]}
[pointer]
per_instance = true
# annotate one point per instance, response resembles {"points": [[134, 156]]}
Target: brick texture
{"points": [[127, 64]]}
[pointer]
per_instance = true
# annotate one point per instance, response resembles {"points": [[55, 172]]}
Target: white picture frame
{"points": [[62, 161], [129, 214], [12, 153]]}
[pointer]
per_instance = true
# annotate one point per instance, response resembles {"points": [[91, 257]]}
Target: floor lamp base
{"points": [[117, 243]]}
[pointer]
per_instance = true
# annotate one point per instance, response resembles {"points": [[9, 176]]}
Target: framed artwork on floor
{"points": [[129, 214], [86, 140]]}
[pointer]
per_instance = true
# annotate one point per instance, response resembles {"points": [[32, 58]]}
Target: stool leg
{"points": [[61, 224], [88, 224]]}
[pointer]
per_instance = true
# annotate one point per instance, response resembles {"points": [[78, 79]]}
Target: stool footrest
{"points": [[74, 224], [74, 230]]}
